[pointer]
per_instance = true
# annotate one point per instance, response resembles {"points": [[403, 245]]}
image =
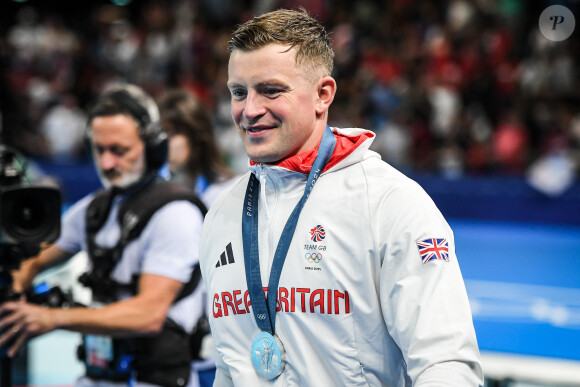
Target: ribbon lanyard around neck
{"points": [[265, 315]]}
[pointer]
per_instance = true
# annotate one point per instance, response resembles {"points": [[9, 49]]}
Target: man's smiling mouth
{"points": [[256, 129]]}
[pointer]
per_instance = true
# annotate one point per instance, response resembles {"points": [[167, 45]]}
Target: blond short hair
{"points": [[296, 29]]}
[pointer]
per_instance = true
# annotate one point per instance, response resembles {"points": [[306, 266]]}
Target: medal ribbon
{"points": [[265, 315]]}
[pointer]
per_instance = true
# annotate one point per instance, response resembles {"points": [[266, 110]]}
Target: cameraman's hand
{"points": [[23, 276], [22, 321], [49, 256]]}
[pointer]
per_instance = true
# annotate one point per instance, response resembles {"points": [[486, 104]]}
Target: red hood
{"points": [[303, 162]]}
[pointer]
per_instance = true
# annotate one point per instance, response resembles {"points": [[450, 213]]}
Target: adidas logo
{"points": [[230, 256]]}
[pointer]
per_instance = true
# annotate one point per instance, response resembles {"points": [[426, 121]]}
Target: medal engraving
{"points": [[267, 355]]}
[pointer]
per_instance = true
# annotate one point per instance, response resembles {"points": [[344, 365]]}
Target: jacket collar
{"points": [[347, 141]]}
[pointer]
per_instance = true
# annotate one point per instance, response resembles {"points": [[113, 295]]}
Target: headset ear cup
{"points": [[156, 148]]}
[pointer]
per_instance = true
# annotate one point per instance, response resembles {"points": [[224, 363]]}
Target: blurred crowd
{"points": [[450, 87]]}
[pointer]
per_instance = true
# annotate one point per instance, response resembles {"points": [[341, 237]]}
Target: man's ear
{"points": [[326, 90]]}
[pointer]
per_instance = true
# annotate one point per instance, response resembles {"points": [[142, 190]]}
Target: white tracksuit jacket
{"points": [[356, 304]]}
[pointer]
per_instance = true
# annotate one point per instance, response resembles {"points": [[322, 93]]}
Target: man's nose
{"points": [[107, 160], [254, 106]]}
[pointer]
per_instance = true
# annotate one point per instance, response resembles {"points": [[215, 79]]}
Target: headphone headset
{"points": [[151, 132]]}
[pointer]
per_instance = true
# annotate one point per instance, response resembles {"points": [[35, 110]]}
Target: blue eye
{"points": [[238, 93]]}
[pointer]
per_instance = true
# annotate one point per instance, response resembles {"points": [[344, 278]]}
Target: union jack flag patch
{"points": [[435, 248]]}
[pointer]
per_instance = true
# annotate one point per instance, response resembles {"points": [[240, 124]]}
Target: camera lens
{"points": [[29, 214]]}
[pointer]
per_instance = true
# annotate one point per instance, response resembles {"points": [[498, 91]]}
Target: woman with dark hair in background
{"points": [[194, 157]]}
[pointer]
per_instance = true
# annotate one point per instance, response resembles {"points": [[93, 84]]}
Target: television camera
{"points": [[29, 217]]}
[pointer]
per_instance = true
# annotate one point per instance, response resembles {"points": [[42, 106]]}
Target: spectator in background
{"points": [[510, 144], [24, 36], [195, 160], [456, 54], [194, 157], [63, 128]]}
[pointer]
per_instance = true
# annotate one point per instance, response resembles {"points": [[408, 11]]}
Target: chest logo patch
{"points": [[317, 233], [313, 257], [227, 257]]}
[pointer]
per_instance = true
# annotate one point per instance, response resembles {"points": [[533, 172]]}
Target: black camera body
{"points": [[29, 214]]}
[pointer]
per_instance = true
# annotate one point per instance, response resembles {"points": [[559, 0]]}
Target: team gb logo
{"points": [[317, 233]]}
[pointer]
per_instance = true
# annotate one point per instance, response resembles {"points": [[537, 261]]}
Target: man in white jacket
{"points": [[324, 265]]}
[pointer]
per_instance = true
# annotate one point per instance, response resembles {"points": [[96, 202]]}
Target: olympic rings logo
{"points": [[261, 316], [313, 257]]}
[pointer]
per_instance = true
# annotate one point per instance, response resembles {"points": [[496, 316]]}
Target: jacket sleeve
{"points": [[425, 305]]}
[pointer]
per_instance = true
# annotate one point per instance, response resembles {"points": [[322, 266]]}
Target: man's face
{"points": [[118, 150], [273, 103]]}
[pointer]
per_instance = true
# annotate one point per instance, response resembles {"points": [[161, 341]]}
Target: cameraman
{"points": [[136, 331]]}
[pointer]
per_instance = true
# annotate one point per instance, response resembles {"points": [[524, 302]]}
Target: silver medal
{"points": [[267, 355]]}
